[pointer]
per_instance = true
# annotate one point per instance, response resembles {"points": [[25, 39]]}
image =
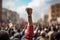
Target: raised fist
{"points": [[29, 11]]}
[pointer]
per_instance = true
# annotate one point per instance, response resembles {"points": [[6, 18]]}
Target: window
{"points": [[53, 14]]}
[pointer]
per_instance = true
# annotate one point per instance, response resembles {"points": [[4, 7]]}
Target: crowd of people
{"points": [[48, 32], [10, 31], [41, 32]]}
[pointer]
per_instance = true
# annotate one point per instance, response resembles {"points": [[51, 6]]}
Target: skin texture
{"points": [[29, 33]]}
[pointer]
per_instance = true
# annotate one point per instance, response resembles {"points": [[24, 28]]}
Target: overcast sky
{"points": [[40, 7]]}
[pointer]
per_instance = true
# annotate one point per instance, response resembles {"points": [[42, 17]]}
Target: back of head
{"points": [[55, 28], [18, 30], [4, 35], [55, 36], [46, 30], [42, 33]]}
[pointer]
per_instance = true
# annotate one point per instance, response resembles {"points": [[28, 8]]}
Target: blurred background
{"points": [[45, 17]]}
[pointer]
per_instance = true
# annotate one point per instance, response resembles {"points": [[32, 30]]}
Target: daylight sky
{"points": [[40, 7]]}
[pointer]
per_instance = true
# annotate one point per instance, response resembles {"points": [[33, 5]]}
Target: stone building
{"points": [[10, 15], [54, 12]]}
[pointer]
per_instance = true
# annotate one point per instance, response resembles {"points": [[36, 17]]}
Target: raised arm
{"points": [[29, 31], [29, 12]]}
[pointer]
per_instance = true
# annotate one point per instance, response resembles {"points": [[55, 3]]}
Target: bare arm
{"points": [[30, 19]]}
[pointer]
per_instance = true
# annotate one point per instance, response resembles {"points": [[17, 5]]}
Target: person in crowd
{"points": [[16, 35], [11, 32], [22, 34], [4, 35], [36, 33], [46, 31], [51, 32], [42, 35], [56, 34]]}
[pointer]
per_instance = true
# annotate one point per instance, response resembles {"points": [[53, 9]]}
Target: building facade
{"points": [[10, 15], [45, 19], [54, 12]]}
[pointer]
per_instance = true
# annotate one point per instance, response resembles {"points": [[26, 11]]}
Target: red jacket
{"points": [[29, 33]]}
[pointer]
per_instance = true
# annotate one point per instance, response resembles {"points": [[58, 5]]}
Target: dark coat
{"points": [[55, 35]]}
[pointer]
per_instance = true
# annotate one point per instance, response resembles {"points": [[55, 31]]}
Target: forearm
{"points": [[30, 19]]}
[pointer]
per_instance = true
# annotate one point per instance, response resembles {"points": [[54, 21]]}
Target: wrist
{"points": [[29, 15]]}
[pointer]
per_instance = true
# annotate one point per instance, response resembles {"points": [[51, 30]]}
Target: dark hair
{"points": [[18, 30], [4, 35], [55, 29]]}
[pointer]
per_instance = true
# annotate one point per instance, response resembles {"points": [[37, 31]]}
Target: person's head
{"points": [[42, 33], [18, 30], [4, 35], [46, 30], [55, 28]]}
